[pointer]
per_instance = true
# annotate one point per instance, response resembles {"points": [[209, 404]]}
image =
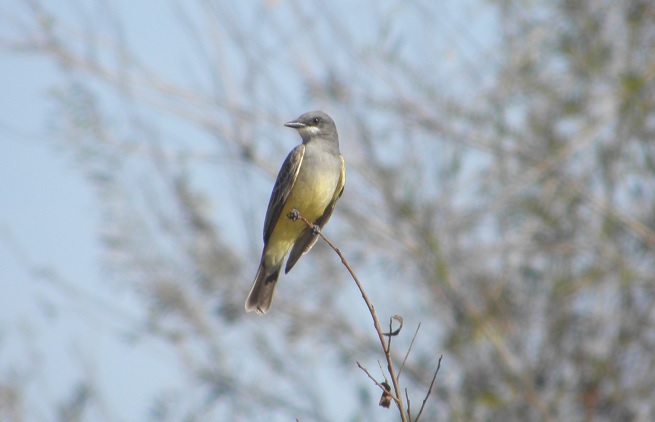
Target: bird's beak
{"points": [[295, 124]]}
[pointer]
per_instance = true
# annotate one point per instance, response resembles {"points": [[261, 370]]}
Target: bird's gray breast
{"points": [[318, 177]]}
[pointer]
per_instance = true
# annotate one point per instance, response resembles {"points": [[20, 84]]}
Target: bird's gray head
{"points": [[313, 125]]}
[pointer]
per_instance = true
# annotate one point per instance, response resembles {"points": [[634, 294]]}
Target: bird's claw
{"points": [[293, 215]]}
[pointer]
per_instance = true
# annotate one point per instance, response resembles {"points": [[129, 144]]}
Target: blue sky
{"points": [[56, 331]]}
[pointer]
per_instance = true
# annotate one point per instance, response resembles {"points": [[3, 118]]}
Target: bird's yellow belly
{"points": [[310, 197]]}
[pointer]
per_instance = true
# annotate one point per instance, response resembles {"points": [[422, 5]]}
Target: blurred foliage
{"points": [[500, 191]]}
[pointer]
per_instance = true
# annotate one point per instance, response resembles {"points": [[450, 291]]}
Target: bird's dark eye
{"points": [[317, 120]]}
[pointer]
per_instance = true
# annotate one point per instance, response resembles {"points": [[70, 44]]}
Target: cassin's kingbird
{"points": [[310, 180]]}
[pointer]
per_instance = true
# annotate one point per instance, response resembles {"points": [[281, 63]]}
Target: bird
{"points": [[310, 181]]}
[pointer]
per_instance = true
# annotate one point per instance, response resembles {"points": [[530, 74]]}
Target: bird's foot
{"points": [[293, 215]]}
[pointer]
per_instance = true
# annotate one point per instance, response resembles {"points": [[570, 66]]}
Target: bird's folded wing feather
{"points": [[283, 185]]}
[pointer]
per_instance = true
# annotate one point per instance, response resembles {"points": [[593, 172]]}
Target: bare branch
{"points": [[434, 377], [400, 371], [387, 353]]}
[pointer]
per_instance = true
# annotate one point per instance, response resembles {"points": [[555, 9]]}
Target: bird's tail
{"points": [[261, 293]]}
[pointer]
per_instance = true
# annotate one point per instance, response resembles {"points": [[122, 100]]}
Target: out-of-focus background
{"points": [[500, 191]]}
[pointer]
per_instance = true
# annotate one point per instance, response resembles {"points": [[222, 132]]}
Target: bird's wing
{"points": [[286, 178], [307, 239]]}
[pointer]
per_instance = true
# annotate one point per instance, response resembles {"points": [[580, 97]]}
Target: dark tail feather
{"points": [[261, 293]]}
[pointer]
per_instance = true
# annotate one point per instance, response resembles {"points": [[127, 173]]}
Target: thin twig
{"points": [[430, 390], [382, 372], [409, 405], [389, 337], [400, 371], [379, 384], [295, 214]]}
